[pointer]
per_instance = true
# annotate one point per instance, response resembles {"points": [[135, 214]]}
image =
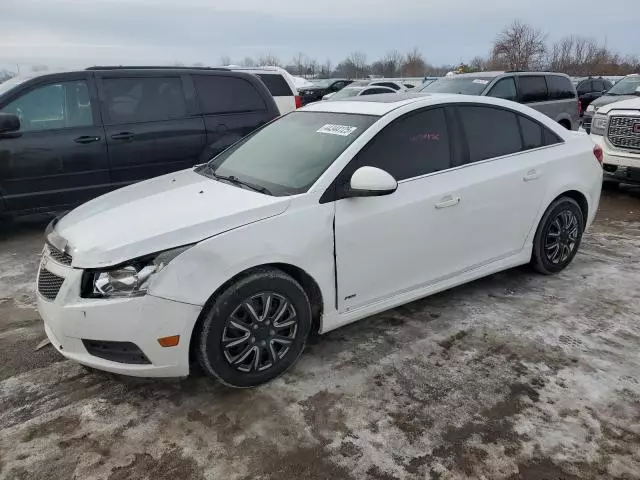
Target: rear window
{"points": [[465, 85], [532, 89], [276, 84], [223, 94], [559, 87]]}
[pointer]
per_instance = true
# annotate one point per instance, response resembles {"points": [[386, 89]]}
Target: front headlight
{"points": [[591, 109], [599, 124], [129, 280]]}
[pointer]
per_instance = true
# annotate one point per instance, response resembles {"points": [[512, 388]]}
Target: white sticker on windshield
{"points": [[342, 130], [480, 81]]}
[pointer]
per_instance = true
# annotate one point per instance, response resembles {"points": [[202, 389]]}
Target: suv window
{"points": [[276, 84], [598, 86], [374, 91], [505, 88], [53, 106], [413, 145], [144, 99], [532, 89], [585, 87], [490, 132], [559, 87], [226, 94]]}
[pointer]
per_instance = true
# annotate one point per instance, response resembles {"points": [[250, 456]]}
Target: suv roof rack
{"points": [[151, 67]]}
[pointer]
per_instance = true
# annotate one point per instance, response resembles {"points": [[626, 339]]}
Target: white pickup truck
{"points": [[616, 128]]}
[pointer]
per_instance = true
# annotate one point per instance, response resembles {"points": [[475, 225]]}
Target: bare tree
{"points": [[414, 64], [299, 62], [268, 59], [327, 68], [359, 62], [248, 62], [520, 47], [226, 60]]}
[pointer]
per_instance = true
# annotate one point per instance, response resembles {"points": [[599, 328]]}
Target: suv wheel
{"points": [[558, 236], [255, 330]]}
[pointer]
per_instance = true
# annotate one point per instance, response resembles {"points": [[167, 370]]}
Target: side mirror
{"points": [[9, 123], [371, 182]]}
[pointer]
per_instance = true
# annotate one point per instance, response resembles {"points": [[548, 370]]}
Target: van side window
{"points": [[560, 87], [227, 94], [505, 88], [143, 99], [532, 89], [53, 106]]}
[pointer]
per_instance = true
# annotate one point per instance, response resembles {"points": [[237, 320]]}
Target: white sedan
{"points": [[350, 92], [323, 217]]}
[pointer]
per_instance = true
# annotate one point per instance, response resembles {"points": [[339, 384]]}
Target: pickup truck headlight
{"points": [[599, 124], [129, 280], [591, 109]]}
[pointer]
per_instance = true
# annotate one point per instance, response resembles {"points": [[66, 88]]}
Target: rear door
{"points": [[152, 124], [232, 107], [58, 158]]}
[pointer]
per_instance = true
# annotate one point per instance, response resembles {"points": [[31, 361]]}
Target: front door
{"points": [[58, 158]]}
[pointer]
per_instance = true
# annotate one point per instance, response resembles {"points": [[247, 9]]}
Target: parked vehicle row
{"points": [[624, 89], [320, 218], [322, 88], [77, 135]]}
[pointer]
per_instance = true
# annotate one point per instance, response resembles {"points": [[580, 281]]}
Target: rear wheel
{"points": [[558, 236], [255, 330]]}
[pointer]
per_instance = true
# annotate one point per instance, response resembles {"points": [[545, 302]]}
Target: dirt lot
{"points": [[516, 376]]}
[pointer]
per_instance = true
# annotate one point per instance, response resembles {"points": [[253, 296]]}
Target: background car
{"points": [[280, 83], [324, 217], [394, 84], [349, 92], [322, 88], [80, 134], [550, 93], [625, 89], [590, 88]]}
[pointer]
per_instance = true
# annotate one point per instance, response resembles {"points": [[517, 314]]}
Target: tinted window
{"points": [[532, 89], [453, 84], [559, 87], [276, 84], [414, 145], [143, 99], [585, 87], [387, 84], [338, 85], [222, 94], [53, 106], [490, 132], [607, 84], [532, 133], [598, 85], [374, 91], [288, 155], [505, 88]]}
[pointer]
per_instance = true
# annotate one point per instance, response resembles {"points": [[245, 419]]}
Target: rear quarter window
{"points": [[559, 87], [227, 94], [276, 84], [532, 89]]}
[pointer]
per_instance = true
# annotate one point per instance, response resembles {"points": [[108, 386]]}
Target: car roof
{"points": [[376, 104]]}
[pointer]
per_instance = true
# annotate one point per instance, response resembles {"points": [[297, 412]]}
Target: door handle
{"points": [[531, 175], [448, 201], [122, 136], [86, 139]]}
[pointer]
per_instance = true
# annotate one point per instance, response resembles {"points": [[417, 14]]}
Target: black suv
{"points": [[590, 88], [68, 137], [322, 88]]}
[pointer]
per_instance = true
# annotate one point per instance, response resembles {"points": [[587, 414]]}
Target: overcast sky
{"points": [[76, 33]]}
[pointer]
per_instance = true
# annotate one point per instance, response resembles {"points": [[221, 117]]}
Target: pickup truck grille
{"points": [[622, 132]]}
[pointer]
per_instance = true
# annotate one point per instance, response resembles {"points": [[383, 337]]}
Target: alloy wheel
{"points": [[561, 237]]}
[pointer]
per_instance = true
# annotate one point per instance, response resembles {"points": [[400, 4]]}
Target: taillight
{"points": [[298, 101], [579, 107], [597, 152]]}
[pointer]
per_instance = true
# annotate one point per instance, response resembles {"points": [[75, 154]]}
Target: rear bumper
{"points": [[69, 319]]}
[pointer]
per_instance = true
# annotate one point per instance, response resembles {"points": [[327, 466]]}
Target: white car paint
{"points": [[613, 155], [434, 232]]}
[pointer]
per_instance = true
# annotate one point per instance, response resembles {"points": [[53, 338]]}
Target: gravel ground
{"points": [[516, 376]]}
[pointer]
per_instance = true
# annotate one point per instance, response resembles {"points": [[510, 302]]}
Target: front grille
{"points": [[49, 284], [621, 132], [60, 257], [121, 352], [586, 123]]}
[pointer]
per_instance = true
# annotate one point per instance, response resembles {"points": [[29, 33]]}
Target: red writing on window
{"points": [[425, 136]]}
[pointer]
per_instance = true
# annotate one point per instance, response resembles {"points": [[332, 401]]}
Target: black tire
{"points": [[555, 223], [228, 320]]}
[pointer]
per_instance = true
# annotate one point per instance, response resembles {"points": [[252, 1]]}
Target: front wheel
{"points": [[255, 330], [558, 236]]}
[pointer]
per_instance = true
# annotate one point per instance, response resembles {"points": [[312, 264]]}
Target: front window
{"points": [[346, 93], [464, 85], [626, 86], [287, 156]]}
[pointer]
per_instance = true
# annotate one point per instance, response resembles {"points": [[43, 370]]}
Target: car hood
{"points": [[158, 214], [607, 99], [632, 103]]}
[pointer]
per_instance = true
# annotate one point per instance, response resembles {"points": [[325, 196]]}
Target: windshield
{"points": [[626, 86], [288, 155], [465, 85], [346, 93], [322, 83]]}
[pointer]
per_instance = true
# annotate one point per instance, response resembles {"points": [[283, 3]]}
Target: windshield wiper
{"points": [[237, 181]]}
